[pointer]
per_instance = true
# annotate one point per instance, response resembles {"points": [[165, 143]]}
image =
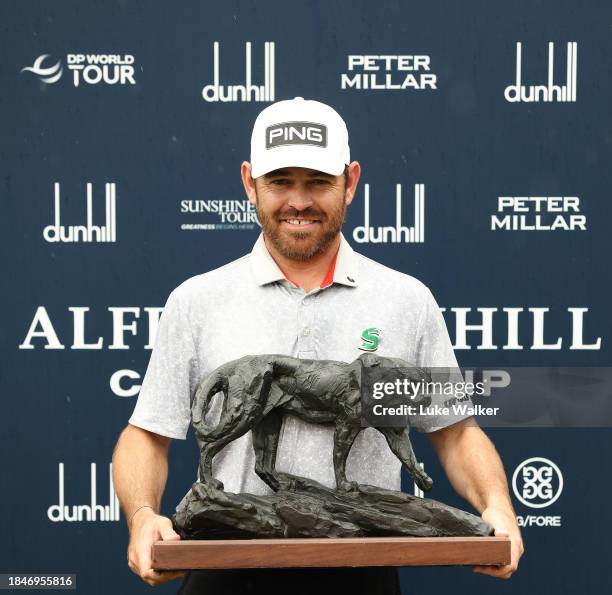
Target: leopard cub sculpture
{"points": [[258, 390]]}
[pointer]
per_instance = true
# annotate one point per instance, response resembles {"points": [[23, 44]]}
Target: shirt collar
{"points": [[267, 271]]}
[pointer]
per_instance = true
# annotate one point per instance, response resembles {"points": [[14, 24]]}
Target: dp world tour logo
{"points": [[537, 482], [49, 74], [92, 69]]}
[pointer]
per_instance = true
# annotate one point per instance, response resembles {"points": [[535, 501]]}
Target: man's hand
{"points": [[504, 524], [148, 527]]}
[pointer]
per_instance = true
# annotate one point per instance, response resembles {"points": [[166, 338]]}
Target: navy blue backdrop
{"points": [[106, 98]]}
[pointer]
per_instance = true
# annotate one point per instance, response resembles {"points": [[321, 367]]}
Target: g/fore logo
{"points": [[549, 92], [397, 233], [533, 481], [388, 73], [538, 483], [296, 133], [247, 92], [538, 213], [92, 69], [61, 512]]}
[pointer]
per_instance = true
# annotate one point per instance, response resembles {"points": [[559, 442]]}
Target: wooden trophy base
{"points": [[330, 552]]}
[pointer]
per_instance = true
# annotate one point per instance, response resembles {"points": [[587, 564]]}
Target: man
{"points": [[303, 292]]}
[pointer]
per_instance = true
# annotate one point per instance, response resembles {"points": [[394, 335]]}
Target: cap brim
{"points": [[287, 159]]}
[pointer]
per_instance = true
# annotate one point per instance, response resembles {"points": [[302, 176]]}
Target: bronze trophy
{"points": [[304, 523]]}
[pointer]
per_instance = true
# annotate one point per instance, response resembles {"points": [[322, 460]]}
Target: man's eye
{"points": [[320, 181], [280, 182]]}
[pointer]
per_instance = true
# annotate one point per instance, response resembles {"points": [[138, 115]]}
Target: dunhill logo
{"points": [[248, 91], [549, 92], [398, 233], [85, 233], [93, 511]]}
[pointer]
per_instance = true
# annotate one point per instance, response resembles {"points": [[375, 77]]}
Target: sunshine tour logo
{"points": [[220, 215], [388, 73], [249, 91], [538, 213], [549, 92], [296, 133], [397, 233], [92, 69]]}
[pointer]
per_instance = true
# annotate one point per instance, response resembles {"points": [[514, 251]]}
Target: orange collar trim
{"points": [[329, 276]]}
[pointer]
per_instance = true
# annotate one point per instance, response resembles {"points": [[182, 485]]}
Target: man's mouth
{"points": [[299, 222]]}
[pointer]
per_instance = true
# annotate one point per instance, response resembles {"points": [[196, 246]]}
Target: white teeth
{"points": [[298, 221]]}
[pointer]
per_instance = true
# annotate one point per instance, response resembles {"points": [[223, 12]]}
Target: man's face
{"points": [[300, 210]]}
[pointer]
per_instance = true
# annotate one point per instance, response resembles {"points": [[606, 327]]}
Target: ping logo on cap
{"points": [[296, 133]]}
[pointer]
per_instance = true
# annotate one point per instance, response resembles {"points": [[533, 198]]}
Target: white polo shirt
{"points": [[248, 307]]}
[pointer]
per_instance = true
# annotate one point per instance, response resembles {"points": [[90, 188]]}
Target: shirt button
{"points": [[306, 332]]}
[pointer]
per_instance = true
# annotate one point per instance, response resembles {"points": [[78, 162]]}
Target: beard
{"points": [[301, 245]]}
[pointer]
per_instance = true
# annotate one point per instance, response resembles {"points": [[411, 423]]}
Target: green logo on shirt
{"points": [[370, 338]]}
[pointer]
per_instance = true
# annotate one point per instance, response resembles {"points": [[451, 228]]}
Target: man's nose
{"points": [[299, 199]]}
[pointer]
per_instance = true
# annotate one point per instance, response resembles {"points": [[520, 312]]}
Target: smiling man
{"points": [[302, 291], [301, 212], [301, 182]]}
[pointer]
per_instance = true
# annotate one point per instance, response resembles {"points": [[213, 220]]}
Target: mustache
{"points": [[292, 213]]}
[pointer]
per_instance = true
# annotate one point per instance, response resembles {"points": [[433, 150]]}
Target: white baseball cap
{"points": [[299, 133]]}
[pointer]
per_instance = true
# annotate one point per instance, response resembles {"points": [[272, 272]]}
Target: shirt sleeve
{"points": [[163, 405], [435, 352]]}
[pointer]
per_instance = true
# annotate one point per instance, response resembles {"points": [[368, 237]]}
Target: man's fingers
{"points": [[158, 577], [145, 534], [166, 530], [495, 571], [488, 571], [143, 557], [170, 535]]}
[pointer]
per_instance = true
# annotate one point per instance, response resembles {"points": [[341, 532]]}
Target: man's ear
{"points": [[352, 179], [248, 182]]}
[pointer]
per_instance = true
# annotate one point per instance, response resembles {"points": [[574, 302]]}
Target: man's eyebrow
{"points": [[320, 174], [277, 172]]}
